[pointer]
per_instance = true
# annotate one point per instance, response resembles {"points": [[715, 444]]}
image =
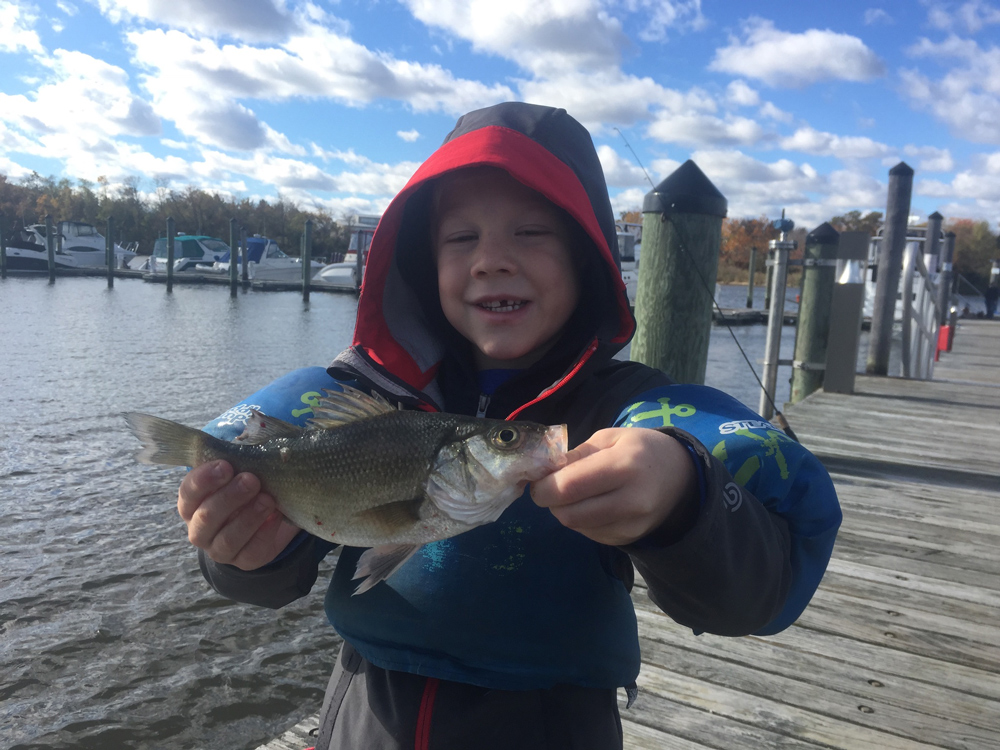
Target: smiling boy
{"points": [[492, 288]]}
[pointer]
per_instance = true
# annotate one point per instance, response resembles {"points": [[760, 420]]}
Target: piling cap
{"points": [[902, 169], [936, 216], [824, 234], [686, 191]]}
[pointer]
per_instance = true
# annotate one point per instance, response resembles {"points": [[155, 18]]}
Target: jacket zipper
{"points": [[484, 402]]}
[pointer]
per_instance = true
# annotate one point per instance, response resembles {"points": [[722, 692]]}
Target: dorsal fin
{"points": [[340, 407], [260, 428]]}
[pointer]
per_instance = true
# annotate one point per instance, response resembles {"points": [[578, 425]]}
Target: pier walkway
{"points": [[900, 647]]}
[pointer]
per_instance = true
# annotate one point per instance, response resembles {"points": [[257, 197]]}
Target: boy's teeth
{"points": [[505, 305]]}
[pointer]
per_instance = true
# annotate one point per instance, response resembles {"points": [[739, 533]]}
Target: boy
{"points": [[492, 288]]}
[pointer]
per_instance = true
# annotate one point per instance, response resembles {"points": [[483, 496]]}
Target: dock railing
{"points": [[920, 317]]}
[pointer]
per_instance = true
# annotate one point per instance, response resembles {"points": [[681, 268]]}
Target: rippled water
{"points": [[109, 636]]}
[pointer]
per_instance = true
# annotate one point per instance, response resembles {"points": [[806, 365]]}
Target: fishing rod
{"points": [[779, 417]]}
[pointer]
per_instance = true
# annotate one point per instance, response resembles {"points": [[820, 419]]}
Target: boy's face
{"points": [[505, 275]]}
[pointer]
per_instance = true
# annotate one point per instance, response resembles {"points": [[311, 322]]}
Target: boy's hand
{"points": [[620, 485], [230, 518]]}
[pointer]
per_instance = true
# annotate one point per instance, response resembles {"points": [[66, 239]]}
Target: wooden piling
{"points": [[233, 258], [932, 246], [890, 262], [245, 254], [170, 253], [3, 246], [944, 279], [818, 272], [109, 251], [306, 259], [50, 245], [753, 270], [681, 231]]}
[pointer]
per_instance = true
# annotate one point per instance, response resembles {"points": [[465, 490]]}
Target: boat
{"points": [[266, 262], [192, 252], [349, 273], [78, 245], [629, 245]]}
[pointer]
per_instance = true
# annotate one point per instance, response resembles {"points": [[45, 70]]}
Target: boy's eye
{"points": [[461, 237]]}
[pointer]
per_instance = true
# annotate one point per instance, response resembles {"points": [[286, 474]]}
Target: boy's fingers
{"points": [[221, 507], [592, 473], [241, 528], [271, 538], [199, 483]]}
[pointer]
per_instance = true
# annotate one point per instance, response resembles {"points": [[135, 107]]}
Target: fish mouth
{"points": [[555, 442]]}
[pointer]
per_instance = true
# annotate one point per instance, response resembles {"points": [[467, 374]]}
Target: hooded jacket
{"points": [[525, 603]]}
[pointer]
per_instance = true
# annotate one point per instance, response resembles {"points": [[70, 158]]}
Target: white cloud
{"points": [[546, 37], [198, 83], [620, 171], [258, 20], [771, 112], [967, 98], [739, 93], [781, 58], [706, 130], [17, 29], [668, 14], [932, 159], [408, 135], [811, 141], [971, 16], [877, 15]]}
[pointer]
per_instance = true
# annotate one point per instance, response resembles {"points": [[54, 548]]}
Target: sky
{"points": [[800, 106]]}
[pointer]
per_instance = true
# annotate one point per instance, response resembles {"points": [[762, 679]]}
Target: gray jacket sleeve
{"points": [[723, 565], [275, 585]]}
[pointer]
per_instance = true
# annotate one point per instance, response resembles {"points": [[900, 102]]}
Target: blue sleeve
{"points": [[767, 465], [290, 575]]}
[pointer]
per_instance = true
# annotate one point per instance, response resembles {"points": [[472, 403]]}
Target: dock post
{"points": [[780, 248], [3, 246], [818, 271], [932, 245], [944, 280], [846, 307], [170, 253], [767, 279], [753, 270], [890, 265], [233, 258], [682, 231], [307, 244], [50, 245], [109, 251], [245, 254]]}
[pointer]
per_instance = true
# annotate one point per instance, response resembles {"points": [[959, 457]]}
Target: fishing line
{"points": [[779, 418]]}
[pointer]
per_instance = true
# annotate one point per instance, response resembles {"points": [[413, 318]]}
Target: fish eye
{"points": [[506, 438]]}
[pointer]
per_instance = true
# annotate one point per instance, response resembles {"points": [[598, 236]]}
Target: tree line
{"points": [[976, 245], [142, 219]]}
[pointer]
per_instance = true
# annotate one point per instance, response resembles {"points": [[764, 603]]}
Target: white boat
{"points": [[345, 275], [916, 236], [266, 262], [192, 252], [78, 245]]}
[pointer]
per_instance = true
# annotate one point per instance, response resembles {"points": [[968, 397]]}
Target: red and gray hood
{"points": [[398, 328]]}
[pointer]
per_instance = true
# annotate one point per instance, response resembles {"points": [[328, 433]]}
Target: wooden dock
{"points": [[900, 647]]}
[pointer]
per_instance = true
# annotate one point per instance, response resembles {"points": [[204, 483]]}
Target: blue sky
{"points": [[796, 105]]}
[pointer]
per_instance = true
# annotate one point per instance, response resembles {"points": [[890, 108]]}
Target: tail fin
{"points": [[171, 443]]}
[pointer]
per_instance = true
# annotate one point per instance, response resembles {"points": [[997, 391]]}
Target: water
{"points": [[109, 636]]}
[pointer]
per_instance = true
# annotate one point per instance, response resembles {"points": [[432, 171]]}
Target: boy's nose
{"points": [[493, 255]]}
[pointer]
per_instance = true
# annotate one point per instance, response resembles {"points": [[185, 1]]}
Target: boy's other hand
{"points": [[620, 485], [230, 518]]}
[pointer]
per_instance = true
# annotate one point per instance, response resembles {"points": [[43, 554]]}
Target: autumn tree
{"points": [[739, 236], [853, 221], [975, 248]]}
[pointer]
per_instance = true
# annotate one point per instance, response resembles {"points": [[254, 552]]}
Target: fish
{"points": [[364, 473]]}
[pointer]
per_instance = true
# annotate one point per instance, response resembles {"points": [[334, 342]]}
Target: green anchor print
{"points": [[665, 412]]}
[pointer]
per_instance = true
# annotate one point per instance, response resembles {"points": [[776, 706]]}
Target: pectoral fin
{"points": [[378, 563], [391, 518]]}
